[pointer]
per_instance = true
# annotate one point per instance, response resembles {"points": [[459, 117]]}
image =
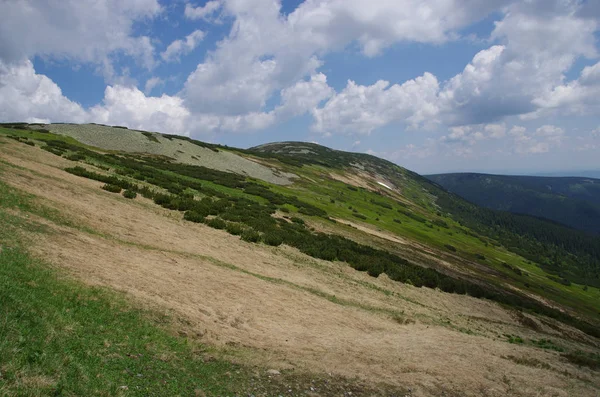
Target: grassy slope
{"points": [[59, 337], [467, 244], [571, 201], [322, 189]]}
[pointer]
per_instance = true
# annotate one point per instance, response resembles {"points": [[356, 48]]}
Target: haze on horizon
{"points": [[436, 86]]}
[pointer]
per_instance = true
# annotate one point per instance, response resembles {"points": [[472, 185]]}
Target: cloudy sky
{"points": [[433, 85]]}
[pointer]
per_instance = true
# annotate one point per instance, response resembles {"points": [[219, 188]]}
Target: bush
{"points": [[359, 216], [74, 156], [250, 236], [397, 221], [130, 194], [297, 220], [217, 223], [112, 188], [150, 137], [193, 216], [234, 228], [450, 247], [272, 239]]}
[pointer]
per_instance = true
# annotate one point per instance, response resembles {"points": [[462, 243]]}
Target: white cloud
{"points": [[376, 25], [361, 109], [78, 30], [496, 131], [576, 97], [304, 96], [130, 107], [202, 12], [541, 40], [267, 52], [27, 96], [542, 140], [151, 83], [549, 131], [182, 47]]}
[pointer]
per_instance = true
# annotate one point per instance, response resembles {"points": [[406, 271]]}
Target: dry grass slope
{"points": [[278, 306]]}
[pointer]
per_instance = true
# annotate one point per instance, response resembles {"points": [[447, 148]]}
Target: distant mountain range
{"points": [[583, 173], [572, 201]]}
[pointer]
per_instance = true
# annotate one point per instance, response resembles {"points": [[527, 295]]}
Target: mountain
{"points": [[287, 266], [581, 173], [572, 201]]}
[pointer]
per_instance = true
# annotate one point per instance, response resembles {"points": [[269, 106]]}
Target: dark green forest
{"points": [[572, 201]]}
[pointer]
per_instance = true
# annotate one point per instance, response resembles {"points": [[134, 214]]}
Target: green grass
{"points": [[467, 243], [59, 338]]}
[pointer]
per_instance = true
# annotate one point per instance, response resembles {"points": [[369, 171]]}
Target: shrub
{"points": [[130, 194], [217, 223], [382, 204], [250, 236], [360, 216], [234, 228], [112, 188], [297, 220], [150, 136], [441, 223], [193, 216], [397, 221], [450, 247], [272, 238], [74, 156]]}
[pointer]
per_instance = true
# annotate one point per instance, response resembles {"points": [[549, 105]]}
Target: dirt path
{"points": [[282, 307]]}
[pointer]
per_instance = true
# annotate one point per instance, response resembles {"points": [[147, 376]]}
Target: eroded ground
{"points": [[285, 310]]}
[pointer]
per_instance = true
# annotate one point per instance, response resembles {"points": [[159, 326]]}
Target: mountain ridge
{"points": [[572, 201]]}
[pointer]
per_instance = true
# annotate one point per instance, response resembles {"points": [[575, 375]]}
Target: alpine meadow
{"points": [[300, 198]]}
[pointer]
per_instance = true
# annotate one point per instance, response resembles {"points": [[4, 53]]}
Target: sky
{"points": [[508, 86]]}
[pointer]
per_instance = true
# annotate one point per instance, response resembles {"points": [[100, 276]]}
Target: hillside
{"points": [[572, 201], [354, 276]]}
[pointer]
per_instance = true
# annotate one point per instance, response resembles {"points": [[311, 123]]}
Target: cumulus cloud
{"points": [[151, 83], [130, 107], [576, 97], [361, 109], [31, 97], [304, 96], [541, 141], [266, 51], [79, 30], [182, 47], [202, 12], [496, 131], [27, 96]]}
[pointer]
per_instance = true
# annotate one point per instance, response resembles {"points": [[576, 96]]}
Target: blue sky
{"points": [[433, 85]]}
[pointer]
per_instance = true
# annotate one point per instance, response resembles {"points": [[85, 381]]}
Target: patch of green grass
{"points": [[514, 339], [150, 136], [59, 338], [547, 344]]}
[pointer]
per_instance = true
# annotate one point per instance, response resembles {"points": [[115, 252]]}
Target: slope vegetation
{"points": [[354, 270]]}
